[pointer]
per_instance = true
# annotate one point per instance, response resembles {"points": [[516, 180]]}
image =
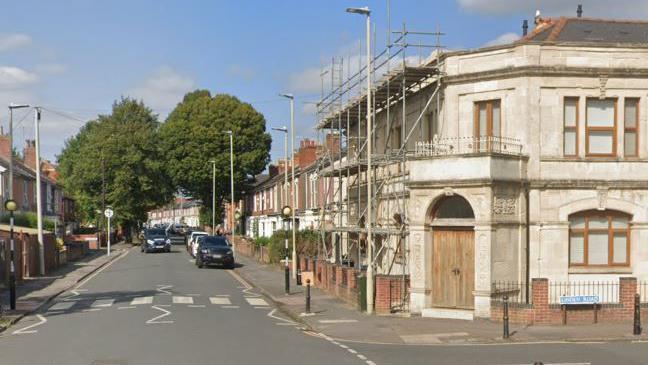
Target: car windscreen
{"points": [[214, 242], [155, 232]]}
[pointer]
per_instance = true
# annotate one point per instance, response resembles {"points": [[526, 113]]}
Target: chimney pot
{"points": [[525, 27], [579, 11]]}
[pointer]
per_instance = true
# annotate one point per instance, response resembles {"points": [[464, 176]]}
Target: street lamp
{"points": [[213, 162], [11, 206], [231, 136], [286, 212], [285, 131], [291, 97], [370, 279], [12, 106], [39, 203]]}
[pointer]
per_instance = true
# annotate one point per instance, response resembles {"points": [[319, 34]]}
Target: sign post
{"points": [[108, 213]]}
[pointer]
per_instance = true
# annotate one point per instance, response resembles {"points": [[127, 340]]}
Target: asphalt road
{"points": [[161, 309]]}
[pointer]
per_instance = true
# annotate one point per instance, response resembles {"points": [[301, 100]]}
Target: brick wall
{"points": [[389, 293]]}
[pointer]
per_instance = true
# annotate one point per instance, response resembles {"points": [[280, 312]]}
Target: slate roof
{"points": [[589, 30]]}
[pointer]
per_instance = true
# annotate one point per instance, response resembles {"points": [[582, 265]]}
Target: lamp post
{"points": [[11, 206], [231, 138], [39, 204], [291, 97], [285, 131], [286, 212], [370, 279], [12, 106], [213, 162]]}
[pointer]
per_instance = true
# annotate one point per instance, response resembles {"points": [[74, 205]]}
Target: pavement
{"points": [[161, 309], [339, 320]]}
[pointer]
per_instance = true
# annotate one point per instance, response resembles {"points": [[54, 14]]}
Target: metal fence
{"points": [[468, 146], [515, 291], [607, 291], [642, 290]]}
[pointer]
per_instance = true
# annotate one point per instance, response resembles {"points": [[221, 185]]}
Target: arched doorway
{"points": [[453, 253]]}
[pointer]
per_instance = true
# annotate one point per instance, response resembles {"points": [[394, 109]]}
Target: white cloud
{"points": [[242, 72], [163, 89], [12, 41], [14, 77], [505, 38], [591, 8]]}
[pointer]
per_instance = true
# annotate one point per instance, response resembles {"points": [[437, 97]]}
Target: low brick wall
{"points": [[541, 312], [76, 250], [248, 249], [389, 294]]}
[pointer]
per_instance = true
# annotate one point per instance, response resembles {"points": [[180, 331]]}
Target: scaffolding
{"points": [[343, 164]]}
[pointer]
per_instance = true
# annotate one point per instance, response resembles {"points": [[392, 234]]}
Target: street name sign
{"points": [[579, 299]]}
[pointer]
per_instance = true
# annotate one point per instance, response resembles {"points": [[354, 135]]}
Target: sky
{"points": [[76, 57]]}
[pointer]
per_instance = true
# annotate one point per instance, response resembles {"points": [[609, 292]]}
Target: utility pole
{"points": [[213, 197], [39, 206], [231, 138], [291, 97]]}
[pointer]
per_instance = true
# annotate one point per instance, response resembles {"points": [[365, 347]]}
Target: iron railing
{"points": [[607, 291], [642, 290], [515, 291], [457, 146]]}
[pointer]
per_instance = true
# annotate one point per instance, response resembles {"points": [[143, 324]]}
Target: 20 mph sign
{"points": [[109, 213]]}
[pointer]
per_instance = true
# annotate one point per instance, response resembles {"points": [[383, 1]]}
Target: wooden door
{"points": [[453, 268]]}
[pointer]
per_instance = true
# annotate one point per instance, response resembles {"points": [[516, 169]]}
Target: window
{"points": [[487, 118], [599, 238], [433, 125], [630, 126], [395, 138], [570, 128], [600, 133]]}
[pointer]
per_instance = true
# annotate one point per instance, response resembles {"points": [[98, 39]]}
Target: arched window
{"points": [[454, 206], [599, 238]]}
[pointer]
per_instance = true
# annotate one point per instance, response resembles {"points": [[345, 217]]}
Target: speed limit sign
{"points": [[108, 213]]}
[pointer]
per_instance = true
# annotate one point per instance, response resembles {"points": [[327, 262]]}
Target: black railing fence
{"points": [[607, 291], [642, 290], [515, 291]]}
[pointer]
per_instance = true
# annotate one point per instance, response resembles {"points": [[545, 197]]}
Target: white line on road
{"points": [[332, 321], [102, 303], [24, 331], [155, 320], [91, 310], [220, 301], [127, 307], [271, 315], [163, 289], [182, 300], [101, 269], [256, 301], [61, 306], [141, 300], [196, 306], [230, 306], [222, 295]]}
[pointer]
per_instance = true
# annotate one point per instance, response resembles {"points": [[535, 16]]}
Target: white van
{"points": [[192, 243]]}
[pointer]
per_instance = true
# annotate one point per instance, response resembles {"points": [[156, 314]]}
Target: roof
{"points": [[589, 30]]}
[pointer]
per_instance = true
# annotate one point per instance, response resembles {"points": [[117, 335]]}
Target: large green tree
{"points": [[194, 134], [116, 160]]}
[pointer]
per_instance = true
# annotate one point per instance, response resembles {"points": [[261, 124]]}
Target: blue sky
{"points": [[75, 57]]}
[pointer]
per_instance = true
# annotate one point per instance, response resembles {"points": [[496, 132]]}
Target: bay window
{"points": [[600, 132], [599, 238]]}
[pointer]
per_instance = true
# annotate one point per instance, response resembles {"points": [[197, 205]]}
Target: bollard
{"points": [[308, 296], [637, 315], [506, 318]]}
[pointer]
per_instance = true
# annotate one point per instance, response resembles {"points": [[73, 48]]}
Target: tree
{"points": [[116, 161], [193, 135]]}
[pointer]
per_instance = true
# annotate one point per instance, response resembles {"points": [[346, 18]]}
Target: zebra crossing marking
{"points": [[102, 303], [61, 306], [257, 302], [142, 300], [182, 300], [220, 300]]}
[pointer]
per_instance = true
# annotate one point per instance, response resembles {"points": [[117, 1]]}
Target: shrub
{"points": [[307, 241], [29, 220], [261, 241]]}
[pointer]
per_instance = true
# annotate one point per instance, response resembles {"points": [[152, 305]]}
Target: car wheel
{"points": [[199, 264]]}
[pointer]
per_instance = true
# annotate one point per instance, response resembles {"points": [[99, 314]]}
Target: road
{"points": [[161, 309]]}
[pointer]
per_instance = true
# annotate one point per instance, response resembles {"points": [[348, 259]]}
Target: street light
{"points": [[291, 97], [231, 136], [286, 212], [39, 203], [285, 131], [213, 162], [12, 106], [11, 206], [370, 279]]}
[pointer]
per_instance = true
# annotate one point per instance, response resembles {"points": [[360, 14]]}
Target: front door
{"points": [[453, 268]]}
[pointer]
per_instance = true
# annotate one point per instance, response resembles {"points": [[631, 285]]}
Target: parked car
{"points": [[156, 240], [192, 243], [176, 234], [214, 250]]}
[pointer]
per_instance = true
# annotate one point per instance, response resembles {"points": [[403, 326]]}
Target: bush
{"points": [[261, 241], [29, 220], [307, 241]]}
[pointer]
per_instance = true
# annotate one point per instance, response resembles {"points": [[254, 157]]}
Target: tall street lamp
{"points": [[370, 279], [213, 162], [11, 206], [285, 131], [286, 212], [231, 138], [39, 204], [12, 106], [291, 97]]}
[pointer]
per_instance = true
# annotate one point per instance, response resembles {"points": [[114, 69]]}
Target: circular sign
{"points": [[286, 211], [108, 213]]}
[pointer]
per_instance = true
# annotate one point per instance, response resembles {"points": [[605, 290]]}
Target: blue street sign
{"points": [[579, 299]]}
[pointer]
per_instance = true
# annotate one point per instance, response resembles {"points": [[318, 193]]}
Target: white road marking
{"points": [[222, 295], [92, 310], [23, 331], [155, 320], [220, 301], [164, 289], [362, 357], [102, 269], [332, 321], [128, 307], [141, 300], [61, 306], [352, 351], [182, 300], [271, 315], [257, 301], [230, 306], [102, 303], [196, 306]]}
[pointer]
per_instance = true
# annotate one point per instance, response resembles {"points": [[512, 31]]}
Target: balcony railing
{"points": [[469, 146]]}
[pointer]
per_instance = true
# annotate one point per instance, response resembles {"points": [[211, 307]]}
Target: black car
{"points": [[156, 239], [214, 250]]}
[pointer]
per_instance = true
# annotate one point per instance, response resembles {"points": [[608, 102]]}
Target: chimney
{"points": [[579, 11], [525, 27], [306, 154], [333, 143], [5, 147], [537, 19], [29, 154], [273, 170]]}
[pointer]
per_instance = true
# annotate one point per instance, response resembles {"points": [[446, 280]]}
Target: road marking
{"points": [[141, 300], [61, 306], [92, 310], [182, 300], [155, 320], [230, 306], [102, 269], [23, 331], [257, 301], [127, 307], [220, 301], [222, 295], [102, 303], [271, 315], [362, 357], [333, 321], [196, 306], [164, 289], [352, 351]]}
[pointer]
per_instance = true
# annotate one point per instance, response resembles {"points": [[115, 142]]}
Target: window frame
{"points": [[571, 129], [613, 129], [489, 118], [634, 129], [611, 231]]}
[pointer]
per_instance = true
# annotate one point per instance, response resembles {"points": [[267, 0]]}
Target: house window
{"points": [[488, 118], [25, 195], [599, 238], [630, 126], [433, 125], [570, 127], [395, 138], [600, 134]]}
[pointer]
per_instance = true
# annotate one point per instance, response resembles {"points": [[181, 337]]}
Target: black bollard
{"points": [[637, 315], [308, 296], [506, 318]]}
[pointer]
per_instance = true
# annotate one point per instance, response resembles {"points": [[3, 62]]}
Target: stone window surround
{"points": [[610, 230]]}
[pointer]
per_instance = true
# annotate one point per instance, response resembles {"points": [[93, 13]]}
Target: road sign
{"points": [[307, 277], [108, 213], [579, 299]]}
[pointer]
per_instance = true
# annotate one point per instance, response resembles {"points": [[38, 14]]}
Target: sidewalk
{"points": [[338, 320], [33, 293]]}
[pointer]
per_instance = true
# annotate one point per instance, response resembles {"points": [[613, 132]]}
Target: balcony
{"points": [[459, 146]]}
